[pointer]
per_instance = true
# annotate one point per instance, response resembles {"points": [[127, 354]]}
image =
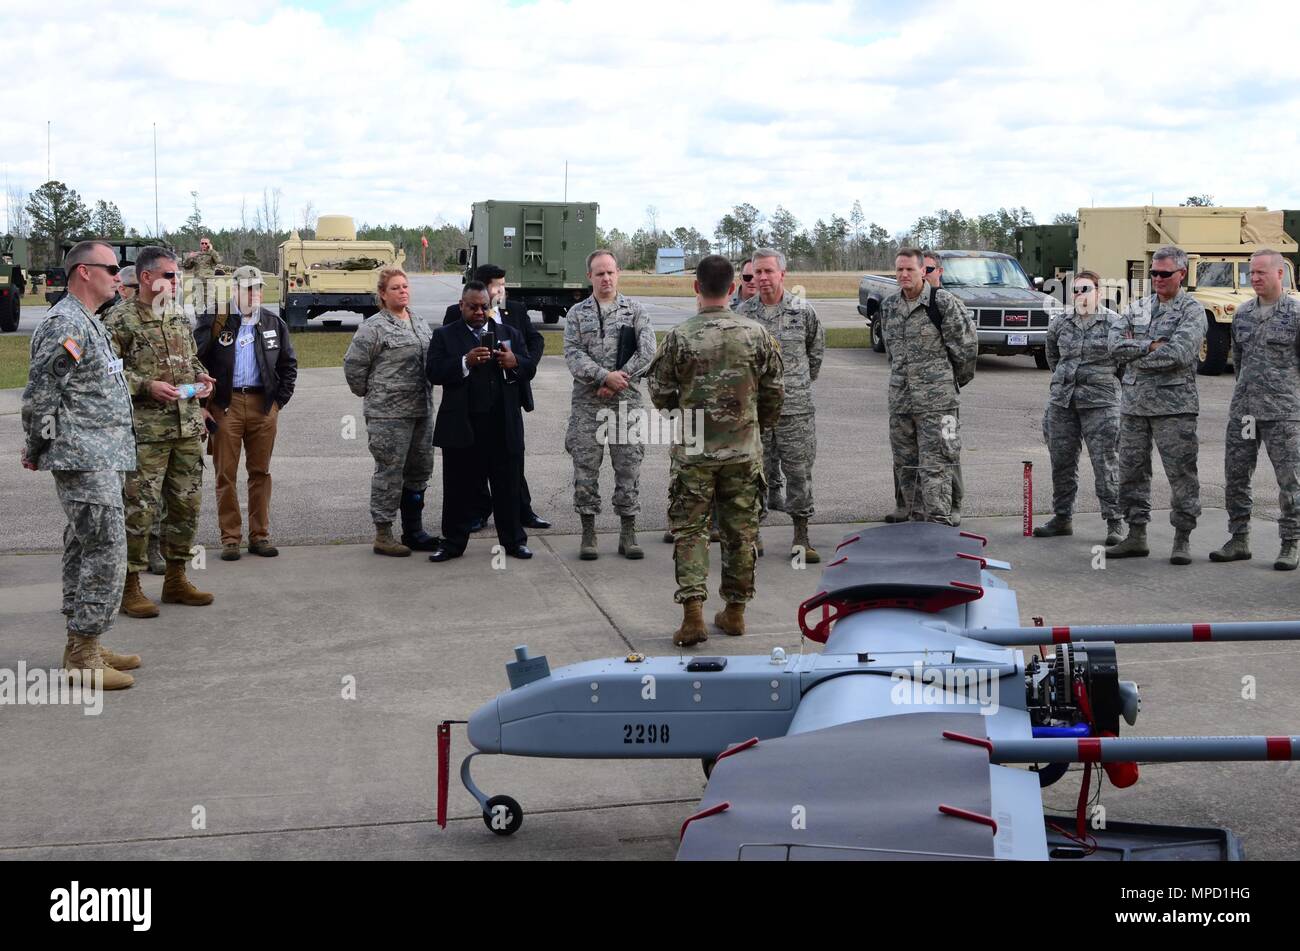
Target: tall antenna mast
{"points": [[47, 149], [157, 229], [566, 181]]}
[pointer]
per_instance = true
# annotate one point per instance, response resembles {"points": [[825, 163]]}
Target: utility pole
{"points": [[157, 230]]}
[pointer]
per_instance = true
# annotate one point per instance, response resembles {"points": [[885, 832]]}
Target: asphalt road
{"points": [[432, 293], [240, 707]]}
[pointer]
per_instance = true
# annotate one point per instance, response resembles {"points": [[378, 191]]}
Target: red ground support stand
{"points": [[1029, 498]]}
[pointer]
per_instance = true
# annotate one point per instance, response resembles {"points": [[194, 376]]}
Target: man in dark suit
{"points": [[514, 314], [480, 428]]}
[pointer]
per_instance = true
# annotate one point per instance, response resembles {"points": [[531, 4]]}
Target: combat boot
{"points": [[157, 563], [692, 630], [83, 658], [178, 590], [731, 620], [1057, 525], [114, 660], [1182, 552], [758, 544], [1289, 556], [898, 515], [1133, 546], [386, 544], [668, 537], [810, 555], [414, 536], [587, 549], [1237, 548], [1114, 531], [134, 602], [627, 546]]}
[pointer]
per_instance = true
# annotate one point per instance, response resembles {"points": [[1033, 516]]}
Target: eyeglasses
{"points": [[110, 268], [931, 269], [747, 277], [1164, 274], [1083, 288]]}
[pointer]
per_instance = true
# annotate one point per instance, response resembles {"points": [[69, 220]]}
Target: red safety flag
{"points": [[424, 241]]}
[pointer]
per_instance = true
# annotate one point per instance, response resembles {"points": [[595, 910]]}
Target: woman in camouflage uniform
{"points": [[385, 366]]}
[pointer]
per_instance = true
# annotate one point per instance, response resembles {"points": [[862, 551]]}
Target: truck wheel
{"points": [[877, 338], [551, 315], [1040, 359], [11, 310], [1214, 350]]}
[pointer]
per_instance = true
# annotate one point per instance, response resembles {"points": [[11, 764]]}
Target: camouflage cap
{"points": [[248, 275]]}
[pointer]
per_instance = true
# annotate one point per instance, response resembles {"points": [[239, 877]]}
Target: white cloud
{"points": [[412, 111]]}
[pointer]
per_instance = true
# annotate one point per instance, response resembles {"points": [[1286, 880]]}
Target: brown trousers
{"points": [[244, 426]]}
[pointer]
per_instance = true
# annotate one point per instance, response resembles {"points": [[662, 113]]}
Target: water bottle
{"points": [[188, 390]]}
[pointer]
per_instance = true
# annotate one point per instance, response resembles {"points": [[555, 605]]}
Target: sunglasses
{"points": [[110, 268], [1083, 288], [931, 269], [746, 277], [166, 275], [1164, 274]]}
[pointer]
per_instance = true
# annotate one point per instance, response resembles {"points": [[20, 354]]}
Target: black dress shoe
{"points": [[443, 553], [477, 525], [533, 520], [421, 542], [520, 551]]}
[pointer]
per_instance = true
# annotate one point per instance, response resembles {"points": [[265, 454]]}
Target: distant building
{"points": [[670, 261]]}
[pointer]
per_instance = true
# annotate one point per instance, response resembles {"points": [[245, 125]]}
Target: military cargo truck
{"points": [[126, 249], [542, 246], [333, 271], [13, 280], [1118, 243], [1046, 251]]}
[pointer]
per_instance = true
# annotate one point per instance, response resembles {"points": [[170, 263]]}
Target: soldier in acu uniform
{"points": [[593, 329], [167, 381], [385, 366], [1155, 342], [1265, 409], [203, 264], [727, 369], [932, 349], [790, 447], [76, 413], [1083, 408]]}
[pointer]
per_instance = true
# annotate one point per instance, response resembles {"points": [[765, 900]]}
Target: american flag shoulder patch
{"points": [[73, 348]]}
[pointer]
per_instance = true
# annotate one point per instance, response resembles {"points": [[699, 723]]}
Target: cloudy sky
{"points": [[409, 111]]}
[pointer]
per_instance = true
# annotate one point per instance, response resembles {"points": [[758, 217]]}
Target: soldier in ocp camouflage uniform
{"points": [[385, 365], [157, 347], [727, 369], [789, 447], [601, 392], [1265, 409], [1156, 342], [1083, 408], [76, 414], [928, 365]]}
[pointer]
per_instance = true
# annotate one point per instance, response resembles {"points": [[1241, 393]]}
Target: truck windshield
{"points": [[1214, 274], [1243, 276], [983, 272]]}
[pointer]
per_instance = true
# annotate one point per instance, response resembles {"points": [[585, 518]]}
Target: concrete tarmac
{"points": [[241, 738]]}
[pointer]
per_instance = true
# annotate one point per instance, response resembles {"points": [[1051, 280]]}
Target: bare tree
{"points": [[309, 216], [17, 220]]}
